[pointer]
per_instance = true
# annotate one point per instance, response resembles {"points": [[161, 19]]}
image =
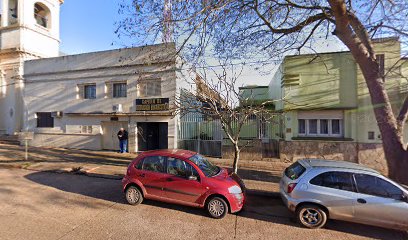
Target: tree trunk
{"points": [[392, 138], [354, 35], [236, 158]]}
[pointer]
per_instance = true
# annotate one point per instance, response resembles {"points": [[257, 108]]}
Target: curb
{"points": [[252, 192], [261, 193]]}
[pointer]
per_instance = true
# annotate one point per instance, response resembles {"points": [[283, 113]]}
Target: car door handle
{"points": [[169, 179], [142, 175], [362, 201]]}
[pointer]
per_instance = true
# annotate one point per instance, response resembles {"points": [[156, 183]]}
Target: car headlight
{"points": [[234, 190]]}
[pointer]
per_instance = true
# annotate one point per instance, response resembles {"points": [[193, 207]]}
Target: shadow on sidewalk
{"points": [[66, 155], [258, 208]]}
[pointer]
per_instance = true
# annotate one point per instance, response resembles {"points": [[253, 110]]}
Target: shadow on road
{"points": [[257, 207]]}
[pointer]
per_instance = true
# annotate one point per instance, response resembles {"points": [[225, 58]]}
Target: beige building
{"points": [[29, 30]]}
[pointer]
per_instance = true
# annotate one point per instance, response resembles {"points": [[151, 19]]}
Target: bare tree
{"points": [[216, 96], [245, 29]]}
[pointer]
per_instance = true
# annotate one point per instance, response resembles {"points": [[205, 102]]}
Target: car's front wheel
{"points": [[217, 207], [311, 216], [133, 195]]}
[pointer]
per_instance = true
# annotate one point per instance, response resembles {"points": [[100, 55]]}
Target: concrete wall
{"points": [[76, 141], [369, 154]]}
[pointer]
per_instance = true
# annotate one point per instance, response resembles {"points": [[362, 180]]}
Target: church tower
{"points": [[29, 30]]}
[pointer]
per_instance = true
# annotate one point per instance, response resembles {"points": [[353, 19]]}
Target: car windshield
{"points": [[206, 167]]}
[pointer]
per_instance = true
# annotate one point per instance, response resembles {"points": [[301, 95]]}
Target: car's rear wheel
{"points": [[133, 195], [217, 207], [311, 216]]}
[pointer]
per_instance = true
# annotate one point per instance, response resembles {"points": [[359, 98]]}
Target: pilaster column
{"points": [[5, 13]]}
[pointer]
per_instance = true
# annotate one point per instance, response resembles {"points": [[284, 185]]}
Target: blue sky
{"points": [[88, 25]]}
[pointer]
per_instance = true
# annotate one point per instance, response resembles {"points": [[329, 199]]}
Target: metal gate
{"points": [[200, 135]]}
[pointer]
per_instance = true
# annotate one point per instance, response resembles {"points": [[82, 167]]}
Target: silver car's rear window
{"points": [[294, 171]]}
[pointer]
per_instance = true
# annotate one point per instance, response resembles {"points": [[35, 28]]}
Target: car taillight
{"points": [[291, 187]]}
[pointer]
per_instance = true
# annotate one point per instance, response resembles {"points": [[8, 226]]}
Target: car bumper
{"points": [[125, 182], [289, 202], [236, 202]]}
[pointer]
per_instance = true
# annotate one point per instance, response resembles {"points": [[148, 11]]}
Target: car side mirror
{"points": [[192, 178], [404, 198]]}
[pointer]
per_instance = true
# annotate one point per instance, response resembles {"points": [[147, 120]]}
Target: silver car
{"points": [[317, 190]]}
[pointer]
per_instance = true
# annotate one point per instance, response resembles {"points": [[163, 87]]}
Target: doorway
{"points": [[110, 138], [152, 135]]}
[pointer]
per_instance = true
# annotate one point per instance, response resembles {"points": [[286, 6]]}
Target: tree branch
{"points": [[296, 28]]}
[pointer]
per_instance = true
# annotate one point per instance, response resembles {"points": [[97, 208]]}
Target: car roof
{"points": [[323, 163], [171, 152]]}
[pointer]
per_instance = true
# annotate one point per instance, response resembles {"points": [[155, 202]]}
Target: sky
{"points": [[88, 25]]}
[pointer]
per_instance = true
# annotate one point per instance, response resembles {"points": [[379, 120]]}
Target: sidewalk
{"points": [[260, 177]]}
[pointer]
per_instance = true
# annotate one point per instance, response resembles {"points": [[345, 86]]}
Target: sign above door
{"points": [[152, 104]]}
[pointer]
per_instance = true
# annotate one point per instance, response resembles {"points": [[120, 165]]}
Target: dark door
{"points": [[178, 186], [163, 135], [152, 174], [152, 135]]}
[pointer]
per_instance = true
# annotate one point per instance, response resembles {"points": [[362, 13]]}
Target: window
{"points": [[86, 129], [90, 91], [336, 180], [320, 127], [45, 120], [154, 164], [335, 127], [371, 135], [149, 88], [294, 171], [180, 168], [376, 186], [312, 126], [302, 126], [205, 166], [380, 61], [119, 90], [324, 126], [41, 15], [13, 6]]}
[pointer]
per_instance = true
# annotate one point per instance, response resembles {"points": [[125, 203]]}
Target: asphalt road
{"points": [[41, 205]]}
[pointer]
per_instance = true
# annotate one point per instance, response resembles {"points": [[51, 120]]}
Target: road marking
{"points": [[92, 169]]}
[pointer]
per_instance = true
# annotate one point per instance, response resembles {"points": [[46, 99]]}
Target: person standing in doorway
{"points": [[123, 140]]}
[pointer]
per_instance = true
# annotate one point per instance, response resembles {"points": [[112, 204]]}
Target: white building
{"points": [[29, 30], [81, 101]]}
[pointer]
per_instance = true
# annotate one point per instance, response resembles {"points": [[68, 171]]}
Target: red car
{"points": [[182, 177]]}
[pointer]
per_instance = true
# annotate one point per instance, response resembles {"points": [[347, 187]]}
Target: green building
{"points": [[327, 106]]}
